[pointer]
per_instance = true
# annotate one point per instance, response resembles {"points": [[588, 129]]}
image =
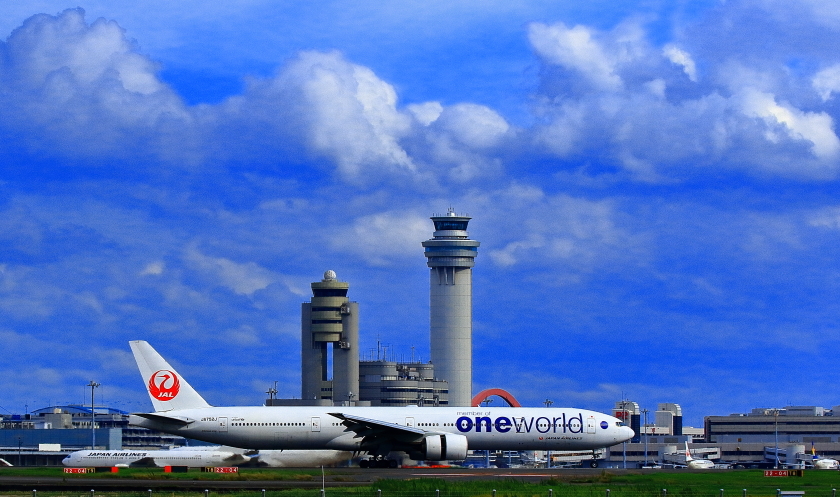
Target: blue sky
{"points": [[654, 187]]}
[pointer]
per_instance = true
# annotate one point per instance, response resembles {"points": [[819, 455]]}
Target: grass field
{"points": [[749, 483]]}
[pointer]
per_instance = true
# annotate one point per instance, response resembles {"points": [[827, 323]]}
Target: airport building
{"points": [[630, 414], [668, 419], [792, 424], [45, 436], [451, 256], [793, 433], [330, 330], [389, 383]]}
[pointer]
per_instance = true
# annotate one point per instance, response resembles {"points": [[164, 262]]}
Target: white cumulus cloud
{"points": [[576, 48], [681, 58], [382, 238], [827, 81], [242, 278], [815, 127], [349, 113]]}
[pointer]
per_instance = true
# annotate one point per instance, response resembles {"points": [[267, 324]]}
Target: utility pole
{"points": [[92, 385], [645, 432], [486, 403], [548, 403], [776, 430]]}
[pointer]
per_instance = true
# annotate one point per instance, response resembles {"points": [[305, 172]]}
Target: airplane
{"points": [[692, 463], [187, 456], [204, 457], [822, 462], [424, 433]]}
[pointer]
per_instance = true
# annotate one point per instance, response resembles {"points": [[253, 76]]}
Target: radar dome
{"points": [[330, 275]]}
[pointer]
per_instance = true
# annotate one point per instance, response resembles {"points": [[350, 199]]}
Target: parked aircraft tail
{"points": [[167, 389]]}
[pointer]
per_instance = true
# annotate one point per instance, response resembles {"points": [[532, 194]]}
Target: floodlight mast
{"points": [[92, 386]]}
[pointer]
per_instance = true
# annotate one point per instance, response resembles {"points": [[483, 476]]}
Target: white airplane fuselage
{"points": [[177, 457], [700, 464], [262, 427], [826, 463]]}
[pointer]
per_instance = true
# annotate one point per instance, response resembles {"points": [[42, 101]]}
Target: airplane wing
{"points": [[380, 437], [177, 420], [146, 462]]}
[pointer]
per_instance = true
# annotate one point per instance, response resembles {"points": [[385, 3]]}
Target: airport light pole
{"points": [[548, 403], [645, 433], [92, 386], [486, 403], [776, 436], [624, 443]]}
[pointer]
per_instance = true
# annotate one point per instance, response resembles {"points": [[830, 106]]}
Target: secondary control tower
{"points": [[330, 334], [451, 256]]}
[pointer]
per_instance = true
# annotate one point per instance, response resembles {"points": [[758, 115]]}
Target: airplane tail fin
{"points": [[688, 457], [167, 389]]}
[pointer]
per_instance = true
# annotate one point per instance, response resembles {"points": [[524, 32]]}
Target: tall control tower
{"points": [[330, 334], [451, 256]]}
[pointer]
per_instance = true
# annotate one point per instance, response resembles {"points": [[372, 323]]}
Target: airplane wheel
{"points": [[593, 464], [364, 463], [392, 463]]}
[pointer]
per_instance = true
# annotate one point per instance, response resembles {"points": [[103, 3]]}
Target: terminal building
{"points": [[794, 433], [45, 436], [794, 424]]}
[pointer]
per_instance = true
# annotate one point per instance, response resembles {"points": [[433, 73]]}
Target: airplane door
{"points": [[315, 425], [223, 425], [590, 425], [409, 422]]}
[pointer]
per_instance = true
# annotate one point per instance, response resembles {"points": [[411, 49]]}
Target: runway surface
{"points": [[334, 477]]}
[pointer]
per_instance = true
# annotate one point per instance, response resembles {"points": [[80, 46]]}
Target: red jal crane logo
{"points": [[164, 385]]}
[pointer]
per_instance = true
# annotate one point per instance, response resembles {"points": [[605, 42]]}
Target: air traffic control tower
{"points": [[451, 256], [330, 327]]}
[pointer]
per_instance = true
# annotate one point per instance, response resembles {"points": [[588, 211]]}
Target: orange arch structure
{"points": [[504, 394]]}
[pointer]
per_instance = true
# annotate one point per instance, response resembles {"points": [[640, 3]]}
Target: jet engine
{"points": [[446, 447]]}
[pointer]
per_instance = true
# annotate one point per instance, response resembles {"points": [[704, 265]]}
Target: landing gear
{"points": [[378, 462], [593, 463]]}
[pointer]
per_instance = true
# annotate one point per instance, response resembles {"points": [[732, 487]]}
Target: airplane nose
{"points": [[627, 433]]}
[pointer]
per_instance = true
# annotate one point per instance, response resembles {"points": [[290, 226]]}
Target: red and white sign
{"points": [[232, 469], [776, 472], [164, 385], [77, 470]]}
